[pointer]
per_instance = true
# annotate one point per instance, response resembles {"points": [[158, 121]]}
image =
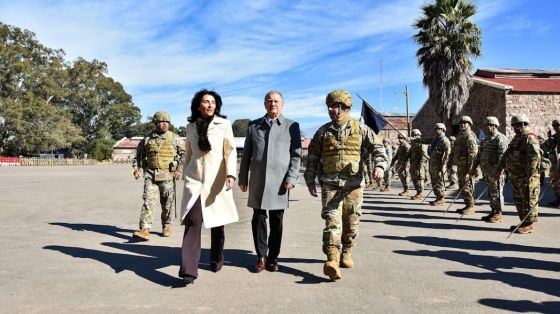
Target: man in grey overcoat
{"points": [[272, 154]]}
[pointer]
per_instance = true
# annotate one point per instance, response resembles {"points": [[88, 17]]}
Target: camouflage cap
{"points": [[555, 122], [415, 132], [491, 121], [440, 126], [519, 119], [466, 119], [341, 96], [161, 116]]}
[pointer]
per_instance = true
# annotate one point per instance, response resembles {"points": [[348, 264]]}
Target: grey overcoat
{"points": [[272, 155]]}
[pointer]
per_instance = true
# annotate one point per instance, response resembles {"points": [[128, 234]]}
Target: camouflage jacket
{"points": [[401, 156], [439, 151], [140, 158], [465, 149], [552, 145], [370, 143], [523, 156], [418, 152], [490, 153]]}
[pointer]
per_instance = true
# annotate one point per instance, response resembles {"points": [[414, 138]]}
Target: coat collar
{"points": [[280, 120]]}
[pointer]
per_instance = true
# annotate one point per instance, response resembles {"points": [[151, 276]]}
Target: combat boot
{"points": [[467, 210], [166, 231], [418, 196], [452, 186], [404, 193], [331, 267], [525, 230], [346, 259], [386, 189], [493, 218], [142, 234], [438, 202]]}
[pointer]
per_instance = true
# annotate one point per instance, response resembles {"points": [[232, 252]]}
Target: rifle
{"points": [[442, 178], [529, 213], [454, 200]]}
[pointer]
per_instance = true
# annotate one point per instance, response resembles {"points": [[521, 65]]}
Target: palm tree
{"points": [[447, 40]]}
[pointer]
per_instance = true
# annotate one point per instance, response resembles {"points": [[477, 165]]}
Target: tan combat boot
{"points": [[525, 230], [331, 267], [418, 196], [386, 189], [142, 234], [346, 259], [166, 231], [467, 210], [438, 202], [404, 193], [493, 218]]}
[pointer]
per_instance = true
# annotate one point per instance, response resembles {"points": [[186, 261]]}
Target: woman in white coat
{"points": [[209, 173]]}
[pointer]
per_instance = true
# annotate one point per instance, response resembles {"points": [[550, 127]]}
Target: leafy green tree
{"points": [[448, 39], [240, 127], [103, 148]]}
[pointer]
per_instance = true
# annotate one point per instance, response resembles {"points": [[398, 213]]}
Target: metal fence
{"points": [[56, 162]]}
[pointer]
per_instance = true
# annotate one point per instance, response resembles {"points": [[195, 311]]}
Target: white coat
{"points": [[205, 174]]}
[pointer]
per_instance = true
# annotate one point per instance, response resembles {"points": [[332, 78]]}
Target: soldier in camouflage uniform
{"points": [[389, 172], [451, 169], [522, 161], [159, 155], [418, 156], [552, 145], [464, 153], [400, 158], [488, 157], [439, 154], [334, 156]]}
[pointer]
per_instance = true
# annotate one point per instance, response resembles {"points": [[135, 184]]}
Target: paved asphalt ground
{"points": [[66, 247]]}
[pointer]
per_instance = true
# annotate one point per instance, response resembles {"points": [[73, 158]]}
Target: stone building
{"points": [[399, 122], [504, 92]]}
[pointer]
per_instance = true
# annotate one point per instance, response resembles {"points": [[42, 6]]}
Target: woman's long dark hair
{"points": [[201, 122], [195, 104]]}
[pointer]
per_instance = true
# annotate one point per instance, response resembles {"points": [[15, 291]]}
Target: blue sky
{"points": [[165, 51]]}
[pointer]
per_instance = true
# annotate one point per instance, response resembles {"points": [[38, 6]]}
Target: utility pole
{"points": [[405, 92]]}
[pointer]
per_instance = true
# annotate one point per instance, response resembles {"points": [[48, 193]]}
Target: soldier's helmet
{"points": [[491, 121], [415, 132], [441, 126], [555, 122], [341, 96], [466, 119], [452, 138], [519, 119], [161, 116]]}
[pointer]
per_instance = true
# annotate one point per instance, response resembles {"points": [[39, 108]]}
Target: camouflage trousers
{"points": [[466, 183], [403, 176], [387, 177], [452, 174], [418, 173], [342, 208], [438, 180], [162, 190], [526, 196], [495, 193]]}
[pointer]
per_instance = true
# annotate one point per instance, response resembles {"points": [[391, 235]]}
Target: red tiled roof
{"points": [[398, 122], [128, 143], [548, 85]]}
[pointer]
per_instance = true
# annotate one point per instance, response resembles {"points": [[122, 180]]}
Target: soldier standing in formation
{"points": [[400, 158], [439, 154], [160, 156], [335, 158], [464, 153], [553, 149], [522, 162], [418, 156], [389, 172], [451, 169], [489, 155]]}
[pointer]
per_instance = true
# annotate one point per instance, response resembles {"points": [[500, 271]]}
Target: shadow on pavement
{"points": [[147, 259], [443, 226], [416, 216], [495, 266], [523, 306]]}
